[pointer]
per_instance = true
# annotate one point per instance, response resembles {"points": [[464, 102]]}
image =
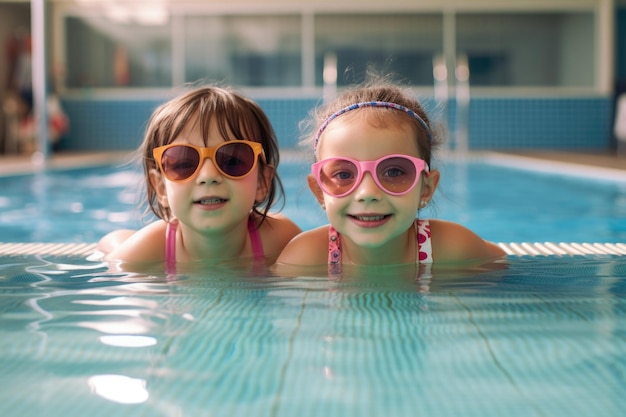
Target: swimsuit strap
{"points": [[424, 255], [422, 233], [170, 244], [255, 239], [170, 247], [423, 248], [424, 243], [334, 253]]}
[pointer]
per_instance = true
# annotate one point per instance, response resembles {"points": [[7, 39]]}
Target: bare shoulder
{"points": [[111, 241], [276, 231], [282, 223], [453, 242], [307, 249], [144, 245]]}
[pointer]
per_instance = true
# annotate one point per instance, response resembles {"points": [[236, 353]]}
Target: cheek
{"points": [[334, 206], [411, 202], [249, 187], [252, 182], [175, 192], [167, 196]]}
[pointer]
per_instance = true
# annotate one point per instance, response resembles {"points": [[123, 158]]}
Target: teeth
{"points": [[211, 201], [370, 218]]}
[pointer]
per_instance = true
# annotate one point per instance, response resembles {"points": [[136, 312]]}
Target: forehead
{"points": [[203, 131], [368, 134]]}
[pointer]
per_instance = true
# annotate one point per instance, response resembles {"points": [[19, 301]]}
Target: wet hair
{"points": [[393, 104], [236, 117]]}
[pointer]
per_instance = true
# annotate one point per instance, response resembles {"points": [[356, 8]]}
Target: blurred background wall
{"points": [[542, 74]]}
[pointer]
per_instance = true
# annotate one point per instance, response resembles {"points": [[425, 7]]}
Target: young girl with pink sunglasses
{"points": [[373, 148]]}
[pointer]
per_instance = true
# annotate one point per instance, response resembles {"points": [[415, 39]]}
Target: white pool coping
{"points": [[554, 167], [563, 249], [514, 249]]}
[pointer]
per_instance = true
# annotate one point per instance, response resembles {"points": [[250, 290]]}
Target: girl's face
{"points": [[370, 217], [209, 202]]}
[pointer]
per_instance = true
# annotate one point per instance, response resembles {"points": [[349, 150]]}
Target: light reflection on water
{"points": [[541, 336], [536, 336], [119, 388]]}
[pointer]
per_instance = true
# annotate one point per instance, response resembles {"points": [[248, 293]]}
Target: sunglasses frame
{"points": [[209, 152], [369, 166]]}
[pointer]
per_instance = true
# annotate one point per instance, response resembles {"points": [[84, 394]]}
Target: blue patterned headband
{"points": [[370, 104]]}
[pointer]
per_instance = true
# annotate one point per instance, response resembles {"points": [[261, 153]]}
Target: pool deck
{"points": [[585, 158], [27, 164]]}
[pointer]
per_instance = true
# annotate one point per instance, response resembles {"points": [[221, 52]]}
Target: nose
{"points": [[367, 189], [208, 173]]}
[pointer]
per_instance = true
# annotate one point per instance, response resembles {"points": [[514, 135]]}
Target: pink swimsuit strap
{"points": [[255, 239], [170, 247], [424, 241], [424, 245], [170, 244]]}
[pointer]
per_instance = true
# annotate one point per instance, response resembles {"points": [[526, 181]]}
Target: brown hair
{"points": [[380, 91], [235, 115]]}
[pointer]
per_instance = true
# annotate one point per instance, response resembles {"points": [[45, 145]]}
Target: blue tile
{"points": [[494, 123]]}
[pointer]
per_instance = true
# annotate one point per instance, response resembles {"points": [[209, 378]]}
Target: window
{"points": [[102, 52], [521, 50], [253, 51], [517, 49], [403, 45]]}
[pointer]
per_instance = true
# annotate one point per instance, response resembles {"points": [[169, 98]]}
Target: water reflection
{"points": [[528, 339], [132, 341], [119, 388]]}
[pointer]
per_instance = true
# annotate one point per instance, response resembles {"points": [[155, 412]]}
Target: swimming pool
{"points": [[500, 203], [544, 337], [534, 336]]}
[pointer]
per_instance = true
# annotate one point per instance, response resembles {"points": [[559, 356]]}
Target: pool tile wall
{"points": [[553, 123], [494, 123], [106, 124], [286, 115], [120, 124]]}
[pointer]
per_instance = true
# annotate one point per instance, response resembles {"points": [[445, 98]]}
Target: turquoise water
{"points": [[542, 336], [501, 204], [537, 337]]}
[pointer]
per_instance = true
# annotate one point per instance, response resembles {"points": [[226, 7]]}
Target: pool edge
{"points": [[511, 249]]}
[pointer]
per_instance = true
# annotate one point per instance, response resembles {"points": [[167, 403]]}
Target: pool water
{"points": [[526, 336], [501, 204], [531, 337]]}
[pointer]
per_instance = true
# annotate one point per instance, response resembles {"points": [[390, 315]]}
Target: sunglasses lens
{"points": [[180, 162], [235, 159], [396, 174], [338, 176]]}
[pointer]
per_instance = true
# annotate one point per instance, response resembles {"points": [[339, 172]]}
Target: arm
{"points": [[306, 249], [145, 245], [455, 243], [113, 240], [276, 231]]}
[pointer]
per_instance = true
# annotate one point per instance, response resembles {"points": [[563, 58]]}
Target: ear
{"points": [[315, 188], [158, 183], [266, 175], [430, 181]]}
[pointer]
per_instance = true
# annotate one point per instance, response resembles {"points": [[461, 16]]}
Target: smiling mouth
{"points": [[208, 201], [370, 218]]}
